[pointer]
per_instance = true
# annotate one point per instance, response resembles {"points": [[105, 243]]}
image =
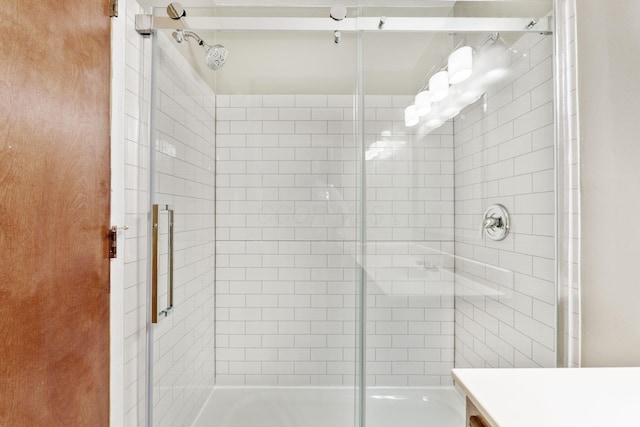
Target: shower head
{"points": [[216, 54]]}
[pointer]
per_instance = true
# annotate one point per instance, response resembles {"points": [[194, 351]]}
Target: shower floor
{"points": [[323, 407]]}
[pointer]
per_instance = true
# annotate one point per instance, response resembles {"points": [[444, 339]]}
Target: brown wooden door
{"points": [[54, 213]]}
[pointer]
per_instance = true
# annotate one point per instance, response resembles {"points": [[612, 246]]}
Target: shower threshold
{"points": [[331, 406]]}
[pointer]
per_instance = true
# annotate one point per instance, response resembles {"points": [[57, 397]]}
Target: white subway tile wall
{"points": [[286, 251], [287, 227], [505, 305], [184, 142]]}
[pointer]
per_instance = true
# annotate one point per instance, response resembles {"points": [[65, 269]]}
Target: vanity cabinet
{"points": [[473, 416]]}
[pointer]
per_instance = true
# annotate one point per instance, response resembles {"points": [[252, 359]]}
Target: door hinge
{"points": [[113, 240], [113, 8]]}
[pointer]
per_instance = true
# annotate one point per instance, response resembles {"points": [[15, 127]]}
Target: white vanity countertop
{"points": [[602, 397]]}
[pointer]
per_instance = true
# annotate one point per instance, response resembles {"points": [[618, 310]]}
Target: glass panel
{"points": [[283, 199], [439, 293], [183, 176], [410, 238]]}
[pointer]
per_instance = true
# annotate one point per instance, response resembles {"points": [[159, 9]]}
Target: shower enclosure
{"points": [[327, 245]]}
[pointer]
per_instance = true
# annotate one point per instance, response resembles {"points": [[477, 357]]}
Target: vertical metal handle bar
{"points": [[154, 265], [170, 285]]}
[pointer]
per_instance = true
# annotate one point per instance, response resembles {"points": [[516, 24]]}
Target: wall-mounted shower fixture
{"points": [[216, 54], [495, 223], [337, 36]]}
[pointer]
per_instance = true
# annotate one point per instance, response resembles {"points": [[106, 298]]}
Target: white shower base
{"points": [[334, 407]]}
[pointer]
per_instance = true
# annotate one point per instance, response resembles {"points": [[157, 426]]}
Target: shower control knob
{"points": [[495, 223]]}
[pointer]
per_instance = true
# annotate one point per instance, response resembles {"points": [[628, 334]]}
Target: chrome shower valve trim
{"points": [[495, 223]]}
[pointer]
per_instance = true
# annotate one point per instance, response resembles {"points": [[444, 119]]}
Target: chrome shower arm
{"points": [[187, 33], [181, 35]]}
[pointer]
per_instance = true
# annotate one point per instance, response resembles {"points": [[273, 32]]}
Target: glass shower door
{"points": [[409, 263], [445, 285], [259, 163], [183, 243]]}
